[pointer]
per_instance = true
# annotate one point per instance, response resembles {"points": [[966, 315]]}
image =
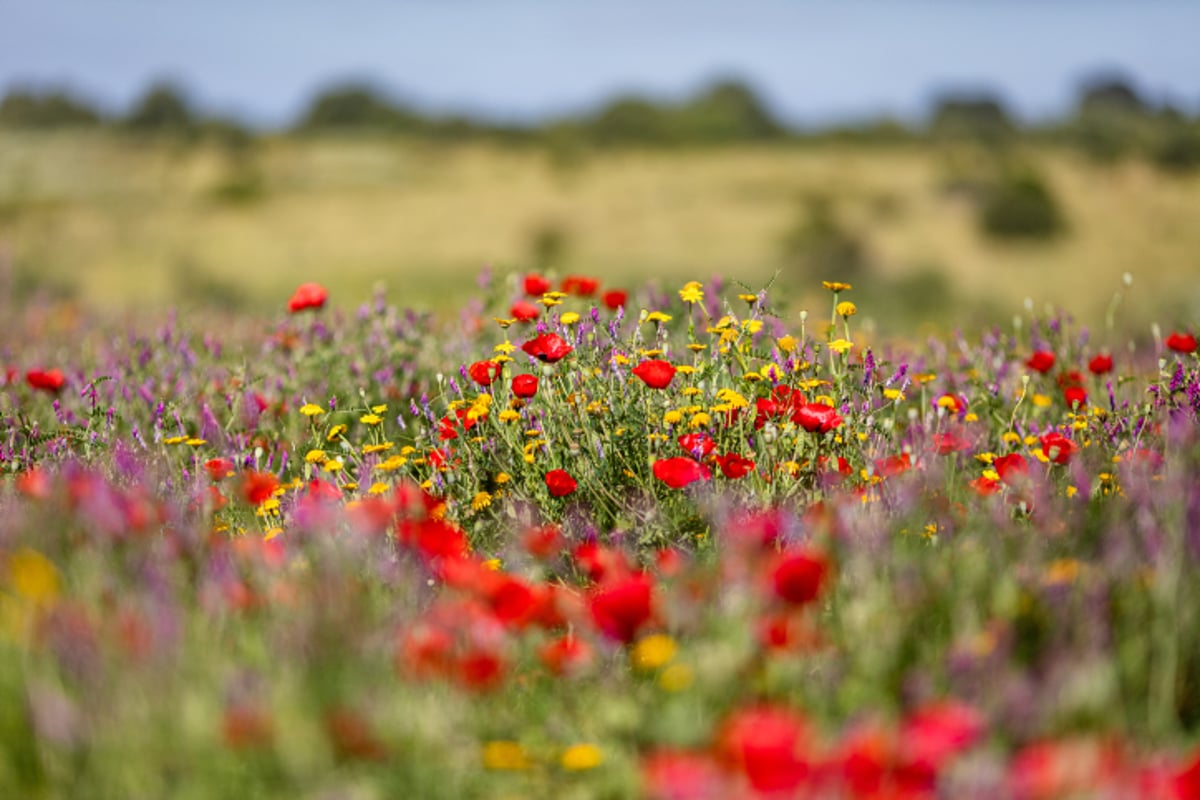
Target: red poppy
{"points": [[218, 468], [599, 562], [946, 443], [798, 576], [893, 465], [1075, 396], [1011, 467], [734, 466], [655, 373], [524, 311], [621, 608], [484, 372], [767, 746], [566, 655], [615, 298], [258, 487], [680, 775], [511, 600], [817, 418], [678, 472], [698, 445], [1041, 361], [351, 736], [560, 483], [308, 295], [933, 734], [1182, 342], [548, 347], [51, 380], [544, 542], [1101, 364], [580, 286], [246, 727], [525, 386], [34, 483], [984, 486], [1057, 447], [536, 285], [435, 539]]}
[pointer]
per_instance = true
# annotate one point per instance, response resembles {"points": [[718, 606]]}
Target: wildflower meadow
{"points": [[591, 541]]}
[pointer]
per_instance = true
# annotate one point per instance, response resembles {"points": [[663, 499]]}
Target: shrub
{"points": [[1021, 206]]}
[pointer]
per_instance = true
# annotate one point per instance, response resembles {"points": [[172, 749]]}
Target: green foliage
{"points": [[1178, 150], [57, 108], [1021, 206], [163, 109], [977, 118], [820, 245]]}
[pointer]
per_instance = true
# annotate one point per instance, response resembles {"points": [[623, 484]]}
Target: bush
{"points": [[1178, 151], [1021, 206], [820, 246]]}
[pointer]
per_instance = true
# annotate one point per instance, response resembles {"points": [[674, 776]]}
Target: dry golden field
{"points": [[123, 224]]}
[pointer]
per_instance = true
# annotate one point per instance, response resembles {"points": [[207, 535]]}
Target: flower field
{"points": [[597, 542]]}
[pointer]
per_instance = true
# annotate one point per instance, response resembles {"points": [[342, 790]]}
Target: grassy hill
{"points": [[122, 223]]}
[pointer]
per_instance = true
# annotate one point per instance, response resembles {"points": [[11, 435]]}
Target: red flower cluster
{"points": [[560, 483], [679, 471], [655, 373], [547, 347], [484, 373], [51, 380], [1041, 361], [524, 386], [1182, 342], [308, 295]]}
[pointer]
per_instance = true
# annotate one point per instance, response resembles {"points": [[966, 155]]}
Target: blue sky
{"points": [[522, 59]]}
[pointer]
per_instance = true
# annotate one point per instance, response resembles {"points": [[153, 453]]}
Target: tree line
{"points": [[1110, 119]]}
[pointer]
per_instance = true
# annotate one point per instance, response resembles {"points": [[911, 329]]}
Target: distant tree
{"points": [[1177, 150], [358, 106], [164, 108], [1109, 94], [979, 117], [27, 108], [1021, 206], [631, 119], [729, 110]]}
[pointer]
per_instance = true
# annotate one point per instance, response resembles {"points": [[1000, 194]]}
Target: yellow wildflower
{"points": [[370, 419], [333, 465], [335, 432], [315, 457], [33, 576], [696, 347], [505, 347], [379, 409], [836, 286], [391, 464], [672, 418], [175, 440], [653, 651], [493, 564], [748, 298], [195, 442], [580, 757], [508, 415], [840, 345], [505, 755], [787, 344], [658, 316], [846, 309], [893, 394], [752, 326], [480, 501], [378, 448], [311, 410], [377, 488], [503, 323], [569, 318], [733, 398], [692, 292], [699, 420]]}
